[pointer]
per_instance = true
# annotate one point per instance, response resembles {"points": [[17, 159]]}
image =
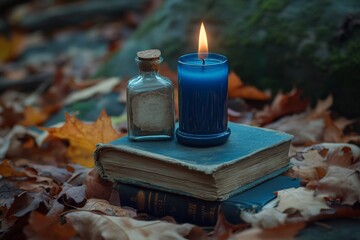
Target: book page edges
{"points": [[208, 169]]}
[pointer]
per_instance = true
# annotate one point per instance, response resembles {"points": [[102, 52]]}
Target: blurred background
{"points": [[274, 45]]}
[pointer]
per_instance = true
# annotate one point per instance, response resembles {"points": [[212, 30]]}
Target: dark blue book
{"points": [[252, 155], [197, 211]]}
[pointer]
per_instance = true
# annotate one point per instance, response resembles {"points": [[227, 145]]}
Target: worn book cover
{"points": [[213, 173], [197, 211]]}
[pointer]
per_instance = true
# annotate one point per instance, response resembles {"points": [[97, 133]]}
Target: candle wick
{"points": [[203, 60]]}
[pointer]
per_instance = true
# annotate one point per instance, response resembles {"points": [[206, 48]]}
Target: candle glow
{"points": [[203, 43]]}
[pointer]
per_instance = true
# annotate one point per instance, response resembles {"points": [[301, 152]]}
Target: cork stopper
{"points": [[149, 55], [149, 60]]}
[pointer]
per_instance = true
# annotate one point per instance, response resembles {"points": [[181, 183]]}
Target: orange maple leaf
{"points": [[83, 137], [236, 88]]}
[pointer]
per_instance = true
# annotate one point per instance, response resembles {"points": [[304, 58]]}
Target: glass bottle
{"points": [[150, 100]]}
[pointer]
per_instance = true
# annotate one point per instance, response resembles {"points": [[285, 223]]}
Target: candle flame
{"points": [[203, 44]]}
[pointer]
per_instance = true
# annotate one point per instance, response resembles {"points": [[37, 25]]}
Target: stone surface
{"points": [[273, 44]]}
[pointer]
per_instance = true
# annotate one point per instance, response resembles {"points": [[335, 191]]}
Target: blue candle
{"points": [[203, 91]]}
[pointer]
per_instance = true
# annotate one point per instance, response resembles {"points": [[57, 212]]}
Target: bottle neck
{"points": [[149, 74], [149, 68]]}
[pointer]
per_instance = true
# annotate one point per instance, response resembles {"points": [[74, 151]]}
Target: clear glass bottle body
{"points": [[150, 104]]}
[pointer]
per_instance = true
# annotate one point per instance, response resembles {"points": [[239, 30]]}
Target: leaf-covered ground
{"points": [[52, 114]]}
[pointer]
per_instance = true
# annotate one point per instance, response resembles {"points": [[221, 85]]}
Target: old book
{"points": [[250, 156], [201, 212]]}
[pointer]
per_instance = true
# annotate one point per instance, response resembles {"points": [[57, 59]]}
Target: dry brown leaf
{"points": [[223, 229], [83, 137], [24, 203], [307, 173], [97, 187], [283, 104], [331, 132], [306, 131], [79, 174], [94, 226], [339, 154], [72, 196], [19, 144], [59, 175], [27, 179], [287, 231], [7, 169], [237, 89], [322, 107], [304, 200], [44, 227], [7, 192], [341, 185], [9, 116], [103, 206], [266, 218]]}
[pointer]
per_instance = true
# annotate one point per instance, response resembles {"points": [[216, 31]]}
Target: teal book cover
{"points": [[251, 155], [197, 211]]}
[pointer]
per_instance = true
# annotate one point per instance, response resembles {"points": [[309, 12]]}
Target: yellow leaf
{"points": [[33, 116], [83, 137], [80, 156]]}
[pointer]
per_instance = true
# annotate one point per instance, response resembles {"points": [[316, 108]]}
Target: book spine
{"points": [[182, 208]]}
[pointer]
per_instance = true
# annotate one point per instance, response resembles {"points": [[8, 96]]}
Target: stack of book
{"points": [[191, 184]]}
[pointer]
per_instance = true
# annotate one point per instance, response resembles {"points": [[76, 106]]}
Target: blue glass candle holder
{"points": [[203, 94]]}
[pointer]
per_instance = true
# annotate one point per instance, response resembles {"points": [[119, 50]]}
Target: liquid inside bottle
{"points": [[150, 101]]}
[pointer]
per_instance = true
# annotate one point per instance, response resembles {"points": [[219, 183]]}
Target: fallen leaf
{"points": [[33, 116], [286, 231], [340, 185], [94, 226], [72, 196], [83, 137], [223, 229], [23, 146], [22, 204], [27, 202], [307, 173], [27, 179], [7, 192], [339, 154], [306, 131], [331, 132], [283, 104], [303, 200], [7, 170], [80, 155], [313, 162], [5, 45], [266, 218], [79, 174], [58, 174], [237, 89], [104, 207], [322, 107], [45, 227], [96, 187]]}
